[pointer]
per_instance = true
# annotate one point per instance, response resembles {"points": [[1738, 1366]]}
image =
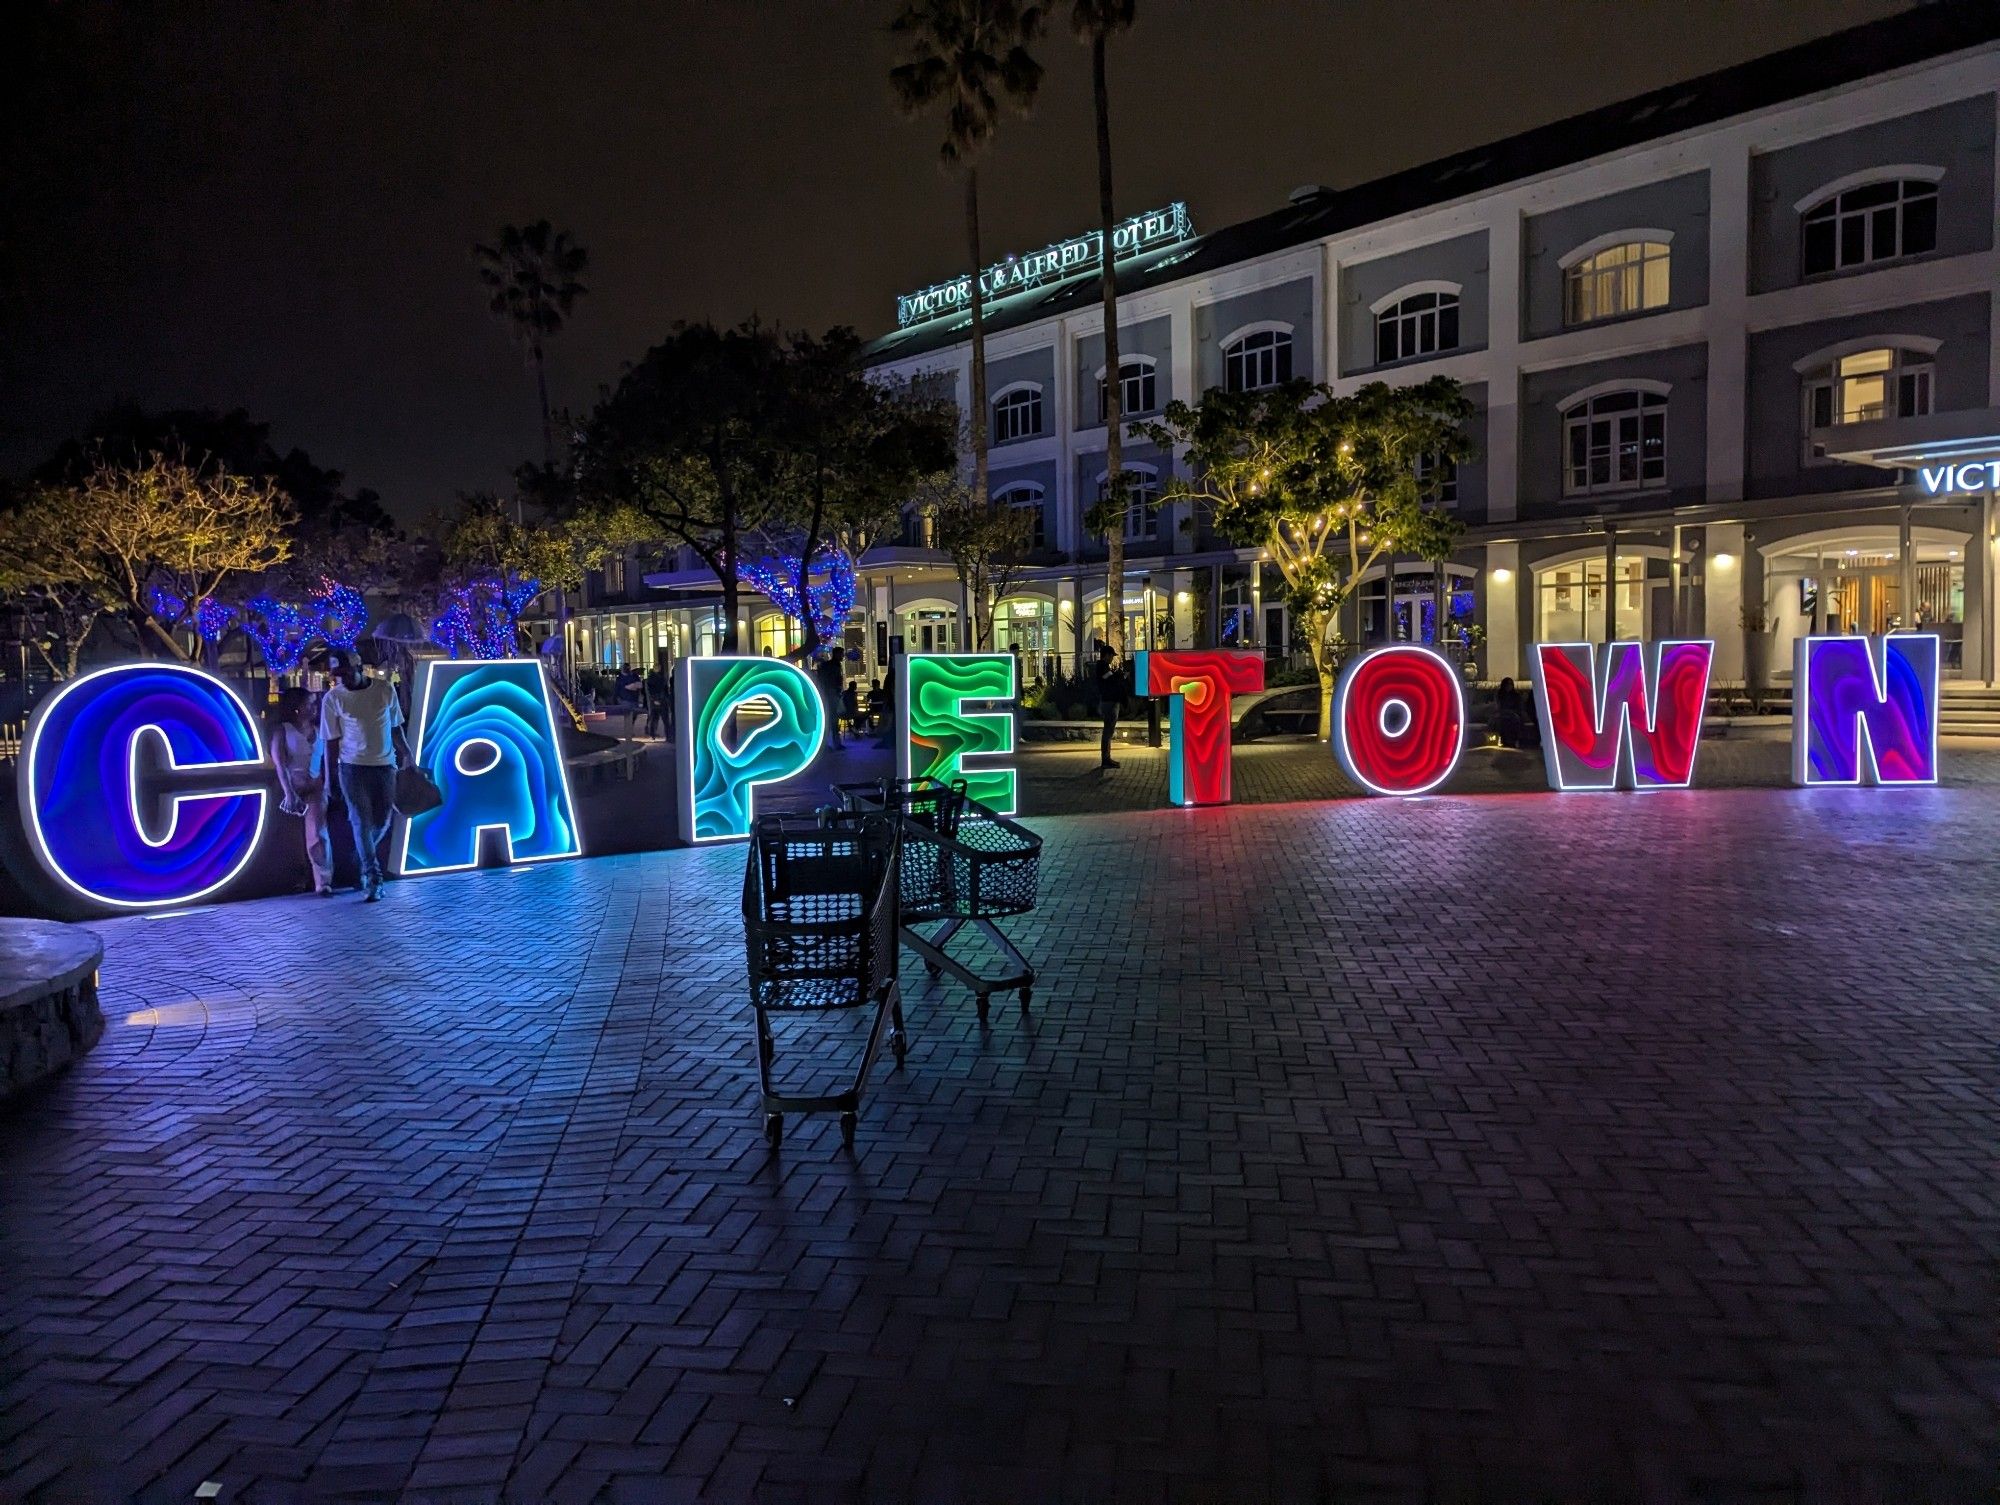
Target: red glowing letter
{"points": [[1399, 719], [1199, 682], [1604, 723]]}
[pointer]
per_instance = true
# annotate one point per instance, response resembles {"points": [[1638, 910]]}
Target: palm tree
{"points": [[534, 276], [969, 58], [1094, 21]]}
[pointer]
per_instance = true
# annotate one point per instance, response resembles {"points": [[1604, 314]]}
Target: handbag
{"points": [[416, 791]]}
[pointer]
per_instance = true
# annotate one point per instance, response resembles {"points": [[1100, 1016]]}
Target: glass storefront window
{"points": [[1572, 601]]}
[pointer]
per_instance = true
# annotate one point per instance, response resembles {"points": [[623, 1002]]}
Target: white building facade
{"points": [[1669, 342]]}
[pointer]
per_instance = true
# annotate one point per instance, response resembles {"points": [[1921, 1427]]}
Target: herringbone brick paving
{"points": [[1461, 1149]]}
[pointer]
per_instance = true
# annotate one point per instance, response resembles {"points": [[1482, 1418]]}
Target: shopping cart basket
{"points": [[962, 864], [819, 927]]}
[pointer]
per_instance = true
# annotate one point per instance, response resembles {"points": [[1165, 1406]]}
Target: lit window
{"points": [[1617, 280], [1420, 324], [1866, 385], [1438, 480], [1258, 360], [1142, 501], [1027, 498], [1137, 389], [1017, 414], [1616, 441], [1874, 222]]}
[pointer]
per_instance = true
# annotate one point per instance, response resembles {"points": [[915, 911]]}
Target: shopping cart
{"points": [[962, 864], [819, 927]]}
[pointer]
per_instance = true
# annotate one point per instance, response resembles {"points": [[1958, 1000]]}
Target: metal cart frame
{"points": [[820, 923], [962, 863]]}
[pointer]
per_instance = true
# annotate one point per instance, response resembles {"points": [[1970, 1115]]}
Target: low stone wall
{"points": [[49, 1015]]}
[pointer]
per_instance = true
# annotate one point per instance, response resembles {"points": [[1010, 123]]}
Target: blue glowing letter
{"points": [[143, 785], [777, 719], [486, 731]]}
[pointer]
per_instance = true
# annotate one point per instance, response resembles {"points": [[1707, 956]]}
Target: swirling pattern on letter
{"points": [[143, 784], [1585, 729], [1865, 710], [939, 734], [1399, 719], [1200, 682], [486, 732], [716, 777]]}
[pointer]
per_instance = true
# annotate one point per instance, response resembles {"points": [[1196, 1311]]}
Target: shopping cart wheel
{"points": [[934, 969], [1027, 995], [847, 1126], [774, 1128]]}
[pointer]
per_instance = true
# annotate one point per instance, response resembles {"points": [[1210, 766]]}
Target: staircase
{"points": [[1968, 710]]}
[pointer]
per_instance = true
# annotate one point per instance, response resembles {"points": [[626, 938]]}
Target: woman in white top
{"points": [[301, 781]]}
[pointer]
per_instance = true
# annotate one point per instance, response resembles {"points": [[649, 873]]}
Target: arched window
{"points": [[1615, 439], [1606, 281], [1257, 359], [1437, 479], [1419, 322], [1017, 412], [1026, 497], [1142, 501], [1869, 222], [1858, 386], [1138, 389]]}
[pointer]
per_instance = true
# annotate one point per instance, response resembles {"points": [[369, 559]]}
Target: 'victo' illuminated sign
{"points": [[1865, 709], [742, 722], [486, 731], [1953, 480], [143, 785], [1066, 258], [1604, 723], [1199, 682], [936, 733]]}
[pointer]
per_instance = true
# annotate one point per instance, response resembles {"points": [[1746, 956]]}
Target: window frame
{"points": [[1030, 393], [1148, 377], [1824, 205], [1137, 502], [1911, 357], [1023, 495], [1582, 411], [1578, 264], [1280, 340], [1393, 311]]}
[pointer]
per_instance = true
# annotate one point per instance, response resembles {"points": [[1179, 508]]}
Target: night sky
{"points": [[273, 205]]}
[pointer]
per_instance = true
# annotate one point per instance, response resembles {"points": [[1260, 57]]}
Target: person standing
{"points": [[302, 780], [361, 722], [657, 701], [831, 683], [1110, 696]]}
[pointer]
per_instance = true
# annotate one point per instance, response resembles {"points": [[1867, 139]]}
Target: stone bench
{"points": [[48, 999]]}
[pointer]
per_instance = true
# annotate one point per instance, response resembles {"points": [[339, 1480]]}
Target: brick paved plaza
{"points": [[1506, 1149]]}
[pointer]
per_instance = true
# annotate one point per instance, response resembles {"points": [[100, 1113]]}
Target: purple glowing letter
{"points": [[1865, 710]]}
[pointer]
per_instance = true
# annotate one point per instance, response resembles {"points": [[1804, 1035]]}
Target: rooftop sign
{"points": [[1956, 480], [1065, 259]]}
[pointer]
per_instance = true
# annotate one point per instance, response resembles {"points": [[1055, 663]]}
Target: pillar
{"points": [[1906, 559], [1722, 599], [1610, 585], [1500, 588]]}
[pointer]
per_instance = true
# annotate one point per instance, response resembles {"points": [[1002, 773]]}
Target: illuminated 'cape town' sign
{"points": [[1066, 258], [145, 784]]}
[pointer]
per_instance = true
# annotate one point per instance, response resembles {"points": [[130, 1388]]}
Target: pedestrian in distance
{"points": [[301, 770], [361, 723], [657, 700], [831, 685], [1110, 696]]}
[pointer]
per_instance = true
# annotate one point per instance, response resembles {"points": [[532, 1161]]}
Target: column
{"points": [[1610, 585], [1906, 559], [1500, 589], [1214, 633], [1728, 307], [1503, 347], [1722, 599]]}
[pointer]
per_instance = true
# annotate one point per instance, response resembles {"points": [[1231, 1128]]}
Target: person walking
{"points": [[1110, 696], [831, 682], [361, 722], [302, 780]]}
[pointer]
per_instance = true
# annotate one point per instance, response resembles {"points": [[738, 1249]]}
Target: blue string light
{"points": [[830, 599], [480, 619]]}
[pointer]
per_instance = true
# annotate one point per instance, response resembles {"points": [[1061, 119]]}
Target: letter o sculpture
{"points": [[1399, 719]]}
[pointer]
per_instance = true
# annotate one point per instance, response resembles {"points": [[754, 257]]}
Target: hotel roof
{"points": [[1845, 57]]}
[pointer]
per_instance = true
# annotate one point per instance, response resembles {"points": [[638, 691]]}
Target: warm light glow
{"points": [[1502, 576], [1724, 561]]}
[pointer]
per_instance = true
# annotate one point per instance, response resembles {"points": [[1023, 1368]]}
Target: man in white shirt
{"points": [[361, 722]]}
